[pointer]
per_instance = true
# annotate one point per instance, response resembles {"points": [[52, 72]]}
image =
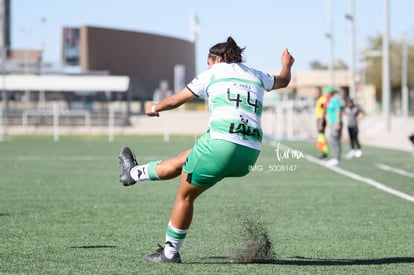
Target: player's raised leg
{"points": [[131, 172]]}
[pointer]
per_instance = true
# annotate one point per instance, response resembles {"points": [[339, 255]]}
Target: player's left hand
{"points": [[149, 110]]}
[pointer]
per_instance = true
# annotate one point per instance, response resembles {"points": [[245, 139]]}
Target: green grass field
{"points": [[63, 211]]}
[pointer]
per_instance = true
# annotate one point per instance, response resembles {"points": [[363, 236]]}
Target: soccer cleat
{"points": [[323, 156], [332, 162], [350, 154], [358, 153], [159, 257], [127, 161]]}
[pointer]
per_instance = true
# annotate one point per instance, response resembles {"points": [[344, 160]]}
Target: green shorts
{"points": [[211, 160]]}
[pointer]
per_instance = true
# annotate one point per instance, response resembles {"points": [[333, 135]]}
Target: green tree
{"points": [[338, 65], [316, 65], [373, 71]]}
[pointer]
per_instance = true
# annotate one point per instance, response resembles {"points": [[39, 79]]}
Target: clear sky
{"points": [[264, 27]]}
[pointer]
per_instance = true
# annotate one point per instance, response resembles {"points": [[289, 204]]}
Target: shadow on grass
{"points": [[93, 246], [303, 261]]}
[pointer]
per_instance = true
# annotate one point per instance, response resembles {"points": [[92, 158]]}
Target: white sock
{"points": [[140, 172], [174, 239]]}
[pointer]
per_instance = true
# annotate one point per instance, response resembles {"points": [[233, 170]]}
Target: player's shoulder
{"points": [[322, 99]]}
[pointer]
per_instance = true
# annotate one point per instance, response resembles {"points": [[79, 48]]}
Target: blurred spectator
{"points": [[321, 143], [162, 91], [354, 115], [411, 138], [334, 119]]}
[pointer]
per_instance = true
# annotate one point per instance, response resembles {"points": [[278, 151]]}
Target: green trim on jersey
{"points": [[213, 80], [236, 127], [243, 89]]}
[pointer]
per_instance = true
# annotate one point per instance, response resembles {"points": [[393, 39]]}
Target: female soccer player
{"points": [[229, 147]]}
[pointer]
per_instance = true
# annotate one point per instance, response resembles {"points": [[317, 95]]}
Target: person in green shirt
{"points": [[334, 119]]}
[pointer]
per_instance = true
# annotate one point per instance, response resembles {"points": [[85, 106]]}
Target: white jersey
{"points": [[235, 99]]}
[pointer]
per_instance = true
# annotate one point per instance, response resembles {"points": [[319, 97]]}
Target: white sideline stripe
{"points": [[355, 176], [394, 170], [363, 179]]}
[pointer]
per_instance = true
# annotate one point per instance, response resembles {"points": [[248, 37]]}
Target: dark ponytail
{"points": [[229, 51]]}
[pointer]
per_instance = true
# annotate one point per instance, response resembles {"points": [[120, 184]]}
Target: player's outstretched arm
{"points": [[283, 78], [170, 102]]}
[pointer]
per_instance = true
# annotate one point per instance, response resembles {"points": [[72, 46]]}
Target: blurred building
{"points": [[146, 58]]}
